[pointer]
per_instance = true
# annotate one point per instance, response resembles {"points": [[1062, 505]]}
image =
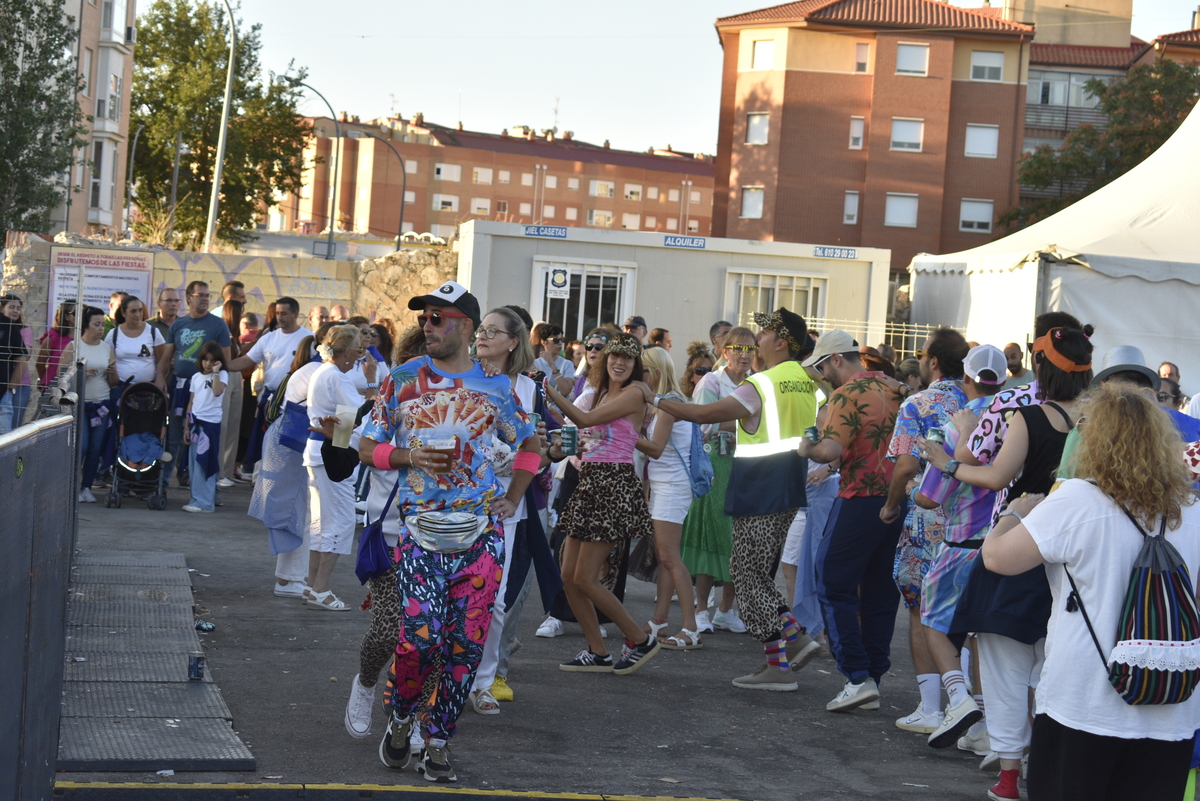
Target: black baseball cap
{"points": [[450, 293], [635, 321]]}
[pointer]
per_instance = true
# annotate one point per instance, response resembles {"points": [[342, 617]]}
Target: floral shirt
{"points": [[929, 408], [862, 416]]}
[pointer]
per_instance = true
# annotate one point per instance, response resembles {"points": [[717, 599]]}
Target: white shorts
{"points": [[331, 512], [670, 500], [795, 539]]}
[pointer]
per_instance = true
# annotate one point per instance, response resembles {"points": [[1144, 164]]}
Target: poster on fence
{"points": [[104, 271]]}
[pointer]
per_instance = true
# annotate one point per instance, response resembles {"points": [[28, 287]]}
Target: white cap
{"points": [[986, 357]]}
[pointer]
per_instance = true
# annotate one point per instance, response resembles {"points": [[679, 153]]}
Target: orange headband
{"points": [[1045, 344]]}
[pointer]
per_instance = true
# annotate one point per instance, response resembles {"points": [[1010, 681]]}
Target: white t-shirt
{"points": [[526, 391], [328, 388], [205, 405], [670, 467], [297, 388], [1081, 527], [275, 351], [135, 355], [95, 357]]}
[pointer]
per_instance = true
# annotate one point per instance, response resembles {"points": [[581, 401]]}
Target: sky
{"points": [[639, 74]]}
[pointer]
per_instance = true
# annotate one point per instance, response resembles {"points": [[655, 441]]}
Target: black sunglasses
{"points": [[701, 370], [437, 318], [594, 347]]}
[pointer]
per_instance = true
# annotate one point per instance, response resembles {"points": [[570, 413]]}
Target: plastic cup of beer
{"points": [[345, 426], [444, 445]]}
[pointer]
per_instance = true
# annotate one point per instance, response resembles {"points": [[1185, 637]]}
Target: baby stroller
{"points": [[141, 446]]}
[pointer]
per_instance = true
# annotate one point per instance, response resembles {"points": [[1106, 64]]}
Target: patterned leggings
{"points": [[757, 542], [379, 643], [446, 601]]}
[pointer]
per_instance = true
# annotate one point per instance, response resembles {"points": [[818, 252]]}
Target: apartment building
{"points": [[104, 53], [451, 175]]}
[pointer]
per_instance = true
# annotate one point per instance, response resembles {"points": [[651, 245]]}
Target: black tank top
{"points": [[1046, 445]]}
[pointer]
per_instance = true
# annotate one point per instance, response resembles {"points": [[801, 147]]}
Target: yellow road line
{"points": [[401, 788]]}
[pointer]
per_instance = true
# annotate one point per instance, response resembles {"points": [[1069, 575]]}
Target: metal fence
{"points": [[906, 338], [39, 478]]}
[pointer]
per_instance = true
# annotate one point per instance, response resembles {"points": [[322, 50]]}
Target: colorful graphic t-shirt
{"points": [[968, 509], [417, 403], [993, 424], [862, 416], [188, 334], [929, 408]]}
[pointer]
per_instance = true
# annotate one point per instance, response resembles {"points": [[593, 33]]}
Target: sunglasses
{"points": [[436, 318], [921, 355], [742, 348], [367, 332], [1163, 397], [701, 370], [594, 347], [555, 340]]}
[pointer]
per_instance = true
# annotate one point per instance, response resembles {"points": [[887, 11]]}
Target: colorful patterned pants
{"points": [[446, 601], [757, 542]]}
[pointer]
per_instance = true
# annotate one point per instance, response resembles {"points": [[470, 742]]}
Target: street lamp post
{"points": [[403, 177], [219, 167], [129, 175], [337, 129]]}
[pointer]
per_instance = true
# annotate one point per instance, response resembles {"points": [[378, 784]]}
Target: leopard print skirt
{"points": [[607, 506]]}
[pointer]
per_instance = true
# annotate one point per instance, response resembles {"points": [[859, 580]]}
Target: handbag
{"points": [[446, 532], [293, 428], [374, 556]]}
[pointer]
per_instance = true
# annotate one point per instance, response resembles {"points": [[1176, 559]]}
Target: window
{"points": [[672, 224], [572, 213], [407, 227], [983, 141], [1047, 88], [410, 166], [1032, 143], [410, 196], [975, 215], [87, 72], [481, 175], [445, 202], [526, 209], [694, 197], [97, 174], [114, 98], [763, 55], [756, 128], [987, 66], [633, 191], [481, 205], [862, 52], [857, 124], [603, 219], [850, 209], [693, 226], [752, 202], [900, 211], [572, 183], [1079, 96], [526, 179], [652, 193], [907, 134], [912, 59], [502, 207], [650, 222], [631, 222], [598, 292], [766, 292], [548, 212], [363, 192], [447, 172], [672, 195], [443, 231], [505, 177], [602, 189], [552, 182]]}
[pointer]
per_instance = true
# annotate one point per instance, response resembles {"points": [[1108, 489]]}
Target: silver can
{"points": [[937, 435], [196, 665], [570, 440]]}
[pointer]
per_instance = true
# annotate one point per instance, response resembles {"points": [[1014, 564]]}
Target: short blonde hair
{"points": [[659, 359], [343, 337]]}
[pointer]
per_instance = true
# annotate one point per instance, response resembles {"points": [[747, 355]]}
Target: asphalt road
{"points": [[675, 728]]}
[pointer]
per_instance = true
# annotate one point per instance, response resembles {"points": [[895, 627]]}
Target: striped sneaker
{"points": [[634, 656], [587, 662]]}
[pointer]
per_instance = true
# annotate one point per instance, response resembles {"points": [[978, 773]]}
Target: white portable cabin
{"points": [[579, 278]]}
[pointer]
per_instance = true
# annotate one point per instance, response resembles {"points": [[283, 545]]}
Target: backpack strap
{"points": [[388, 505], [1075, 601]]}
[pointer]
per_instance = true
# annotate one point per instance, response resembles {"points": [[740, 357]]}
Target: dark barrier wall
{"points": [[38, 484]]}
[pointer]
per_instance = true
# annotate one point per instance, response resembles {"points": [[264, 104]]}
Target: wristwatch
{"points": [[951, 468], [1011, 511], [657, 398]]}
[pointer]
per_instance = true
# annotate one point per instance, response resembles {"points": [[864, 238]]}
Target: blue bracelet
{"points": [[912, 496]]}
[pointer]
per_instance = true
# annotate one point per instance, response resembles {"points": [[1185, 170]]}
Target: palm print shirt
{"points": [[862, 416]]}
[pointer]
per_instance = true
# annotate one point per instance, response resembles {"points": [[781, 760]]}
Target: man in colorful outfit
{"points": [[941, 370], [446, 596], [854, 561], [766, 488]]}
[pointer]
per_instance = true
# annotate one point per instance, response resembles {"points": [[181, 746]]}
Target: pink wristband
{"points": [[381, 457], [529, 462]]}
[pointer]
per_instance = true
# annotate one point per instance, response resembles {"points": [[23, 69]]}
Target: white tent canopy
{"points": [[1125, 258]]}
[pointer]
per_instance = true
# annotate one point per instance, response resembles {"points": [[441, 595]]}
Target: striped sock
{"points": [[777, 654], [791, 627], [956, 686]]}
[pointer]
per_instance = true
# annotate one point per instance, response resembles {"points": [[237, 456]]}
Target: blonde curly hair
{"points": [[1130, 449]]}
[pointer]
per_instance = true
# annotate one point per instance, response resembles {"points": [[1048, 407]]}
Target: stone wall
{"points": [[383, 286]]}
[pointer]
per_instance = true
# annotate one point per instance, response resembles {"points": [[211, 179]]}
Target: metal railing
{"points": [[906, 338]]}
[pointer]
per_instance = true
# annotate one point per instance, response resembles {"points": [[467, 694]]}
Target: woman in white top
{"points": [[668, 443], [1087, 742], [138, 345], [101, 372], [330, 503]]}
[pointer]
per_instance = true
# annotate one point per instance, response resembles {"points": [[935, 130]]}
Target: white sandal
{"points": [[320, 600], [481, 699], [685, 640], [655, 628]]}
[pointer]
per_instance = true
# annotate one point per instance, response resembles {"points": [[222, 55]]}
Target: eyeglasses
{"points": [[701, 370], [490, 332], [367, 332], [742, 348], [1164, 397], [555, 340], [599, 346], [436, 318]]}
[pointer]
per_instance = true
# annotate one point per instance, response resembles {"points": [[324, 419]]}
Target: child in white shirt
{"points": [[203, 429]]}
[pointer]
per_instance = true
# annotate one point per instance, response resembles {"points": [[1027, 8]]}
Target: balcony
{"points": [[1063, 118]]}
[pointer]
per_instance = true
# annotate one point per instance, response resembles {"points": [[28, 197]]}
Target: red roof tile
{"points": [[1190, 38], [1056, 55], [926, 14]]}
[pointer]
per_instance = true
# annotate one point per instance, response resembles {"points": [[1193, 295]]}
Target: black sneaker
{"points": [[634, 656], [185, 482], [394, 749], [587, 662], [435, 764]]}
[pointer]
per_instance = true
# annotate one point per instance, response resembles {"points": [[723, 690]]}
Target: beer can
{"points": [[196, 665], [570, 440], [813, 434], [535, 418], [937, 435], [723, 442]]}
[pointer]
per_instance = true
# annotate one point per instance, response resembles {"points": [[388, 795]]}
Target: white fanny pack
{"points": [[446, 532]]}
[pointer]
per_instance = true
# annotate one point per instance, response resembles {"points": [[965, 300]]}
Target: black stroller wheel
{"points": [[162, 502]]}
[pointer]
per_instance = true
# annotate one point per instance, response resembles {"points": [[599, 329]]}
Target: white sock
{"points": [[931, 692], [956, 686], [980, 727], [965, 658]]}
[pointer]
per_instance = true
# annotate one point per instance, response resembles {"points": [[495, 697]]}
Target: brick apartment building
{"points": [[104, 53], [453, 175]]}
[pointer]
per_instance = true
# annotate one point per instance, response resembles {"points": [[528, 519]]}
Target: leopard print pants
{"points": [[757, 543]]}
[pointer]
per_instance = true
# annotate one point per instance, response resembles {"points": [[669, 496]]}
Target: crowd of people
{"points": [[794, 485]]}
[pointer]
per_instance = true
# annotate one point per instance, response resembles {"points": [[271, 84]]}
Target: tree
{"points": [[179, 88], [1143, 110], [39, 111]]}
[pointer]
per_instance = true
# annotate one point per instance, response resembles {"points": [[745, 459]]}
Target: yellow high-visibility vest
{"points": [[789, 406]]}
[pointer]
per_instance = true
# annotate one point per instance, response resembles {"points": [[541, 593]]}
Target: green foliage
{"points": [[1143, 111], [179, 87], [39, 111]]}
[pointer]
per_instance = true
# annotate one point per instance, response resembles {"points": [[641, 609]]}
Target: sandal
{"points": [[484, 703], [653, 627], [307, 593], [685, 640], [327, 601]]}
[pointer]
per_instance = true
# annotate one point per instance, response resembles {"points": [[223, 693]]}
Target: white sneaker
{"points": [[728, 621], [86, 496], [921, 721], [979, 745], [551, 627], [853, 696], [955, 722], [197, 510], [225, 483], [358, 710], [990, 763], [293, 589], [703, 622]]}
